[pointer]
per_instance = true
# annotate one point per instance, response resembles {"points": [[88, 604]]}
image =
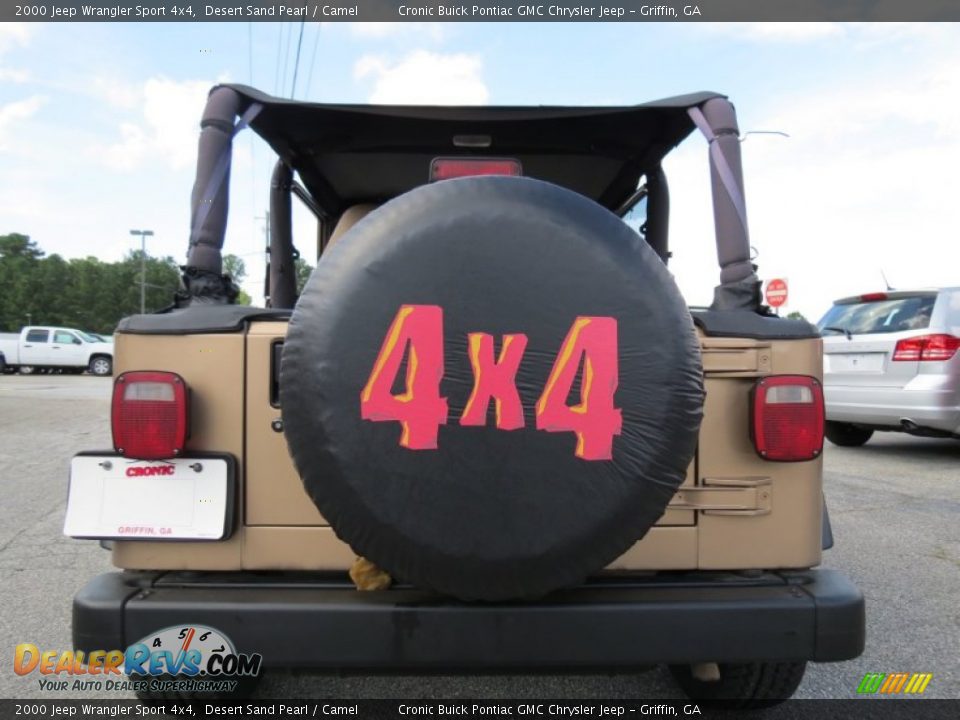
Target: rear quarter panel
{"points": [[213, 368]]}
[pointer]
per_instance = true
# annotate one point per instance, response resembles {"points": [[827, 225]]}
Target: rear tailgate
{"points": [[734, 509], [10, 347], [866, 361], [861, 335]]}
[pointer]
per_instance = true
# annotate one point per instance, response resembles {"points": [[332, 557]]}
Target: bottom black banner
{"points": [[867, 709]]}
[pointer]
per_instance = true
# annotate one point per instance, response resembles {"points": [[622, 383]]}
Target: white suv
{"points": [[891, 362]]}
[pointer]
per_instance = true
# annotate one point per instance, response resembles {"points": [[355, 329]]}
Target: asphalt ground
{"points": [[894, 505]]}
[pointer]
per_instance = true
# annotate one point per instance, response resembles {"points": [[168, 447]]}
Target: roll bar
{"points": [[205, 283], [739, 287], [658, 212], [283, 270]]}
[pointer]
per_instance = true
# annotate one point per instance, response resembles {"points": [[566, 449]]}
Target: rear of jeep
{"points": [[491, 391]]}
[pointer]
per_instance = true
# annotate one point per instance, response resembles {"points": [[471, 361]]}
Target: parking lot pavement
{"points": [[894, 505]]}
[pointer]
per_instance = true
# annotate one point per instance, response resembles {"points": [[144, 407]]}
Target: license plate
{"points": [[853, 362], [114, 498]]}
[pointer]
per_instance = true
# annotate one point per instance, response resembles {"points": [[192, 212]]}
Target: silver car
{"points": [[892, 362]]}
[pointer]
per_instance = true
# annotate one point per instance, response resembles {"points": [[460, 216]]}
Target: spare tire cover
{"points": [[490, 513]]}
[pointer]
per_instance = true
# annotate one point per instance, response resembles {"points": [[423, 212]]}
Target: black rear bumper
{"points": [[609, 624]]}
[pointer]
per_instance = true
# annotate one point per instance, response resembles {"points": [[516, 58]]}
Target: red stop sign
{"points": [[776, 293]]}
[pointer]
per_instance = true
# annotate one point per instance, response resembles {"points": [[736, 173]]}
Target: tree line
{"points": [[88, 293]]}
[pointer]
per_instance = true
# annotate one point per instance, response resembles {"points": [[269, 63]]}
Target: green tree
{"points": [[50, 284], [15, 245], [85, 293], [235, 268], [303, 273], [19, 257], [123, 284], [796, 316]]}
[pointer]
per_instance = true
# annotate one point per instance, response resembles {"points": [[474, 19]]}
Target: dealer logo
{"points": [[151, 471], [898, 683], [189, 650], [180, 658]]}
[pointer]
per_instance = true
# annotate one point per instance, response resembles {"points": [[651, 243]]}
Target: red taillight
{"points": [[788, 418], [873, 297], [149, 415], [447, 168], [926, 348], [908, 350]]}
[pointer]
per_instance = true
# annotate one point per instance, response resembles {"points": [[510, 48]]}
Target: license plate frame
{"points": [[186, 499]]}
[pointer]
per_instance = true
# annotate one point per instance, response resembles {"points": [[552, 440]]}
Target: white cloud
{"points": [[116, 92], [380, 30], [425, 77], [14, 34], [862, 33], [894, 31], [168, 130], [13, 75], [12, 114], [866, 181], [778, 32]]}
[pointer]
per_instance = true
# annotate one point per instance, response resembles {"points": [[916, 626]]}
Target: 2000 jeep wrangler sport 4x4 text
{"points": [[491, 392]]}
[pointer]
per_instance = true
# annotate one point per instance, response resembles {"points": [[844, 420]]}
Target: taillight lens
{"points": [[787, 423], [926, 348], [149, 415], [447, 168]]}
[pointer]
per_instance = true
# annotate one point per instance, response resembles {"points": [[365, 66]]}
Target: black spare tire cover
{"points": [[489, 513]]}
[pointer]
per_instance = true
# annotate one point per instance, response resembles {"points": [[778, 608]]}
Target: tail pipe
{"points": [[739, 287]]}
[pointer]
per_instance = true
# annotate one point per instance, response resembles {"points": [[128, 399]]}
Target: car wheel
{"points": [[847, 435], [743, 685], [26, 369], [101, 366]]}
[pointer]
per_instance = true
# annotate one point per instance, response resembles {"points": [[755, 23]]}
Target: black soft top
{"points": [[349, 154]]}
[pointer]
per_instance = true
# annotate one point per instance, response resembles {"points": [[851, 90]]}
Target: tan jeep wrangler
{"points": [[492, 392]]}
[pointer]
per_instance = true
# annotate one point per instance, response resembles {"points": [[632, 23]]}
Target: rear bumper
{"points": [[610, 624], [928, 400]]}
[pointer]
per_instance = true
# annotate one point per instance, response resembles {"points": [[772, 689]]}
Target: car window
{"points": [[88, 337], [38, 336], [881, 316], [64, 337]]}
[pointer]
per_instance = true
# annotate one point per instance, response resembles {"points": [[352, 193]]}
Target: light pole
{"points": [[143, 266]]}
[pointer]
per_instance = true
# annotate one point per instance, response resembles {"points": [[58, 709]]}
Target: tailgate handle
{"points": [[726, 496]]}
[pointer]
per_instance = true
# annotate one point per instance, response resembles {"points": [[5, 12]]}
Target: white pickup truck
{"points": [[38, 348]]}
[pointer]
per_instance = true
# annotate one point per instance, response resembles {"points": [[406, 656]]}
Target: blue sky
{"points": [[98, 127]]}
